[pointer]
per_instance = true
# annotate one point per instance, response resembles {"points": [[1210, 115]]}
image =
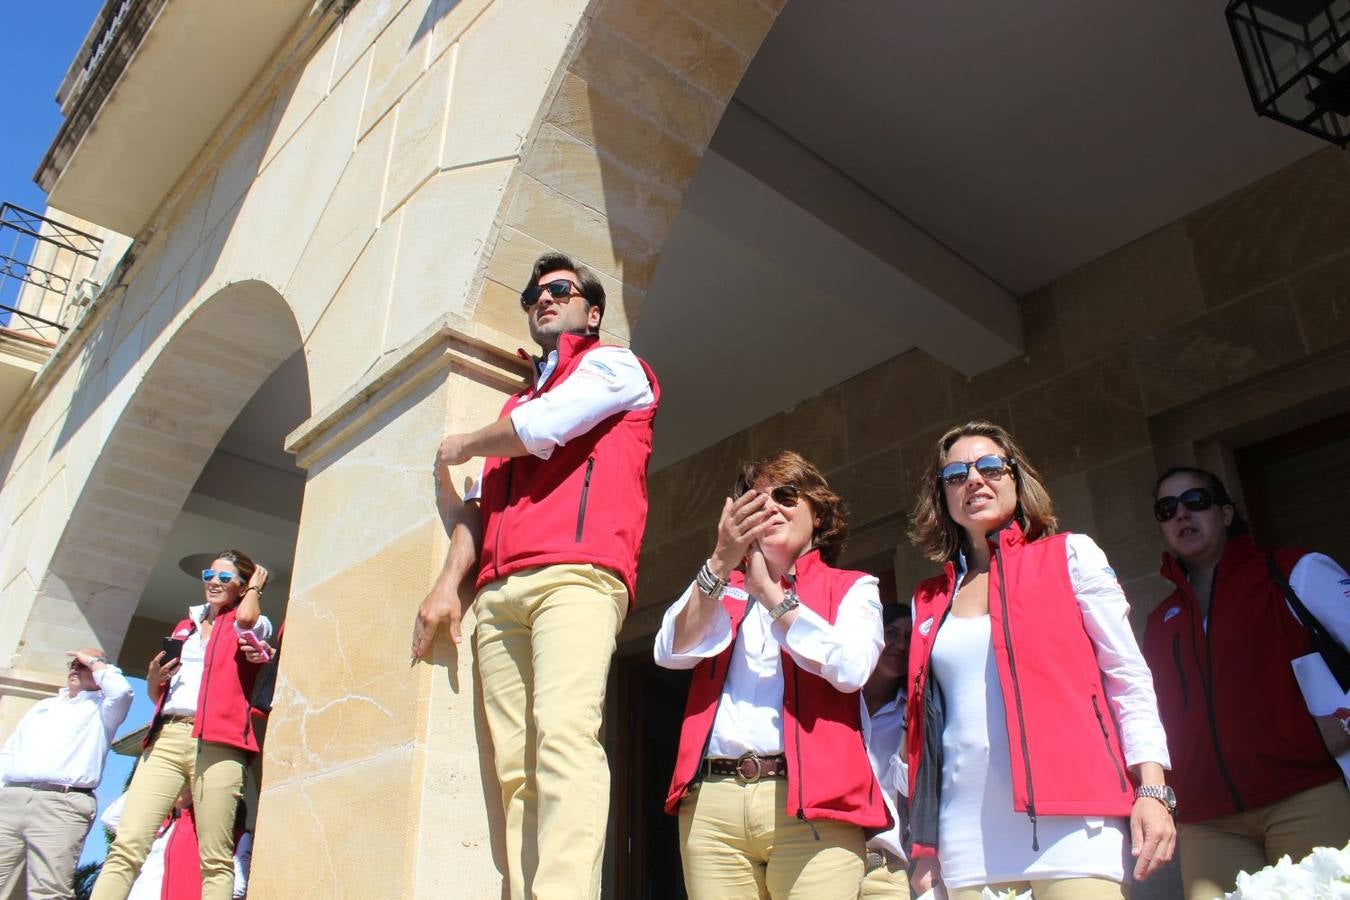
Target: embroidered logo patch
{"points": [[1171, 614], [926, 627]]}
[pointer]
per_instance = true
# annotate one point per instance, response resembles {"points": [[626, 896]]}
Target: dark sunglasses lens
{"points": [[530, 296], [990, 466], [1197, 499], [559, 289], [786, 496], [1165, 508]]}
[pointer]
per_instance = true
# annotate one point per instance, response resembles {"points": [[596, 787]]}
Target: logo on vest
{"points": [[1171, 614], [735, 593], [926, 627]]}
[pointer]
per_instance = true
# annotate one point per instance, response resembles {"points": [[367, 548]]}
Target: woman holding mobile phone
{"points": [[202, 731]]}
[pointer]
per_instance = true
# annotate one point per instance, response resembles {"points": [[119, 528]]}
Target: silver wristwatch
{"points": [[1160, 792], [790, 602]]}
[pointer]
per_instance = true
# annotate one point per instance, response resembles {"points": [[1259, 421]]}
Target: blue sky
{"points": [[38, 41]]}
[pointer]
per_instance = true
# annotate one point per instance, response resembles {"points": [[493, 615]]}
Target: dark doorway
{"points": [[650, 706], [1292, 488]]}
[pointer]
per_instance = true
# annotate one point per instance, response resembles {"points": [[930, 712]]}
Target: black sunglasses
{"points": [[1195, 499], [785, 495], [990, 466], [558, 289]]}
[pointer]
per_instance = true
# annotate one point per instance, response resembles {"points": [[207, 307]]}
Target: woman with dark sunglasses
{"points": [[1031, 715], [772, 783], [202, 732], [1255, 780]]}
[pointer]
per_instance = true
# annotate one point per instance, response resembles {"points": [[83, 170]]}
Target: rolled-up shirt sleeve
{"points": [[608, 380], [262, 629], [845, 653], [713, 641], [1125, 675]]}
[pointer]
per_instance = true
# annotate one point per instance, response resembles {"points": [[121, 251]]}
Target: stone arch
{"points": [[615, 145], [182, 404]]}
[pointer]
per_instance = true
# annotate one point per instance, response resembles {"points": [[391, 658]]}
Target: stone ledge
{"points": [[453, 344], [28, 684]]}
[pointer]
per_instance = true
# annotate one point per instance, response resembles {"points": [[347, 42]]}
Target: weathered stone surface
{"points": [[895, 399], [399, 57], [647, 88], [1043, 357], [1138, 289], [678, 42], [1223, 347], [688, 494], [1082, 418], [1322, 299], [743, 25], [420, 130], [815, 428], [873, 488], [1122, 497], [1274, 228]]}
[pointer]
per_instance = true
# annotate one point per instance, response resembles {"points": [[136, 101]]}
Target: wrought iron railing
{"points": [[40, 262]]}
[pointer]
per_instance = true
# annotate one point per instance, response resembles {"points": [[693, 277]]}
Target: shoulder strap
{"points": [[1323, 641]]}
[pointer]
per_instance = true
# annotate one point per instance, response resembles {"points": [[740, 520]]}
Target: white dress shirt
{"points": [[65, 739], [608, 380], [750, 711], [186, 683], [883, 734]]}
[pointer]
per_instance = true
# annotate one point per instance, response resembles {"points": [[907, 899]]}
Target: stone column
{"points": [[377, 775]]}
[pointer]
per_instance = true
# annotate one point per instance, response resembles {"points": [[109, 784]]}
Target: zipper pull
{"points": [[801, 814], [1035, 841]]}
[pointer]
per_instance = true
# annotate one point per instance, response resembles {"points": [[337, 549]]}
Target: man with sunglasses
{"points": [[545, 546], [1254, 781], [49, 768]]}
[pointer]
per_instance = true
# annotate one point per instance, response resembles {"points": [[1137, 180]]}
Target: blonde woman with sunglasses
{"points": [[1036, 756], [772, 784], [1255, 779], [202, 732]]}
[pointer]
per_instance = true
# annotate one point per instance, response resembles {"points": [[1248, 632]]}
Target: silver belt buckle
{"points": [[749, 768]]}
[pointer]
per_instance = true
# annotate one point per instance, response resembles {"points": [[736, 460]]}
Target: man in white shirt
{"points": [[49, 768], [883, 727], [552, 532]]}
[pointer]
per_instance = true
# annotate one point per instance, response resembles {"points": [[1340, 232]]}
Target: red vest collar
{"points": [[569, 345]]}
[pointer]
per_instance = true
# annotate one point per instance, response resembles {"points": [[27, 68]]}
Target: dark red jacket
{"points": [[829, 774], [586, 503], [1062, 735], [223, 708], [1237, 725]]}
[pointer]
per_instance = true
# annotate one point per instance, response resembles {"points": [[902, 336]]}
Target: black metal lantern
{"points": [[1296, 57]]}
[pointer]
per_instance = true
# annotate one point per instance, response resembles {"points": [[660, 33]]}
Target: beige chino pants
{"points": [[1214, 852], [888, 882], [41, 835], [544, 640], [174, 761], [737, 841], [1050, 889]]}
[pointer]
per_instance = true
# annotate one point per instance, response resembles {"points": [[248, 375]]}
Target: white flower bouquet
{"points": [[1323, 875]]}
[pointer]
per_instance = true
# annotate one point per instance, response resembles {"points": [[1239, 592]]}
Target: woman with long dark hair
{"points": [[1254, 780], [1032, 716], [202, 733], [772, 783]]}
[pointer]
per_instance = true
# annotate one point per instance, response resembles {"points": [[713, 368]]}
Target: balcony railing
{"points": [[41, 261]]}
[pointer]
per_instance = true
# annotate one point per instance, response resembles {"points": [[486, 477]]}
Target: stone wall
{"points": [[1227, 326]]}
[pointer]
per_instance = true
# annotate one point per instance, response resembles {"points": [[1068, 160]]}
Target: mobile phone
{"points": [[173, 649], [251, 639]]}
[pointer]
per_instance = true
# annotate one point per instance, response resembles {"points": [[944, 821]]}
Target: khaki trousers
{"points": [[174, 761], [737, 841], [1050, 889], [41, 835], [1214, 852], [544, 640], [888, 882]]}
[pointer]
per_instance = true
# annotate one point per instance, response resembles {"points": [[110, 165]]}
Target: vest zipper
{"points": [[797, 741], [585, 489], [1017, 697], [205, 694], [1181, 672], [1106, 739], [1207, 683]]}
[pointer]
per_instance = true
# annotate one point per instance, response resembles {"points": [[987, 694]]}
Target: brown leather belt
{"points": [[746, 768], [52, 786]]}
